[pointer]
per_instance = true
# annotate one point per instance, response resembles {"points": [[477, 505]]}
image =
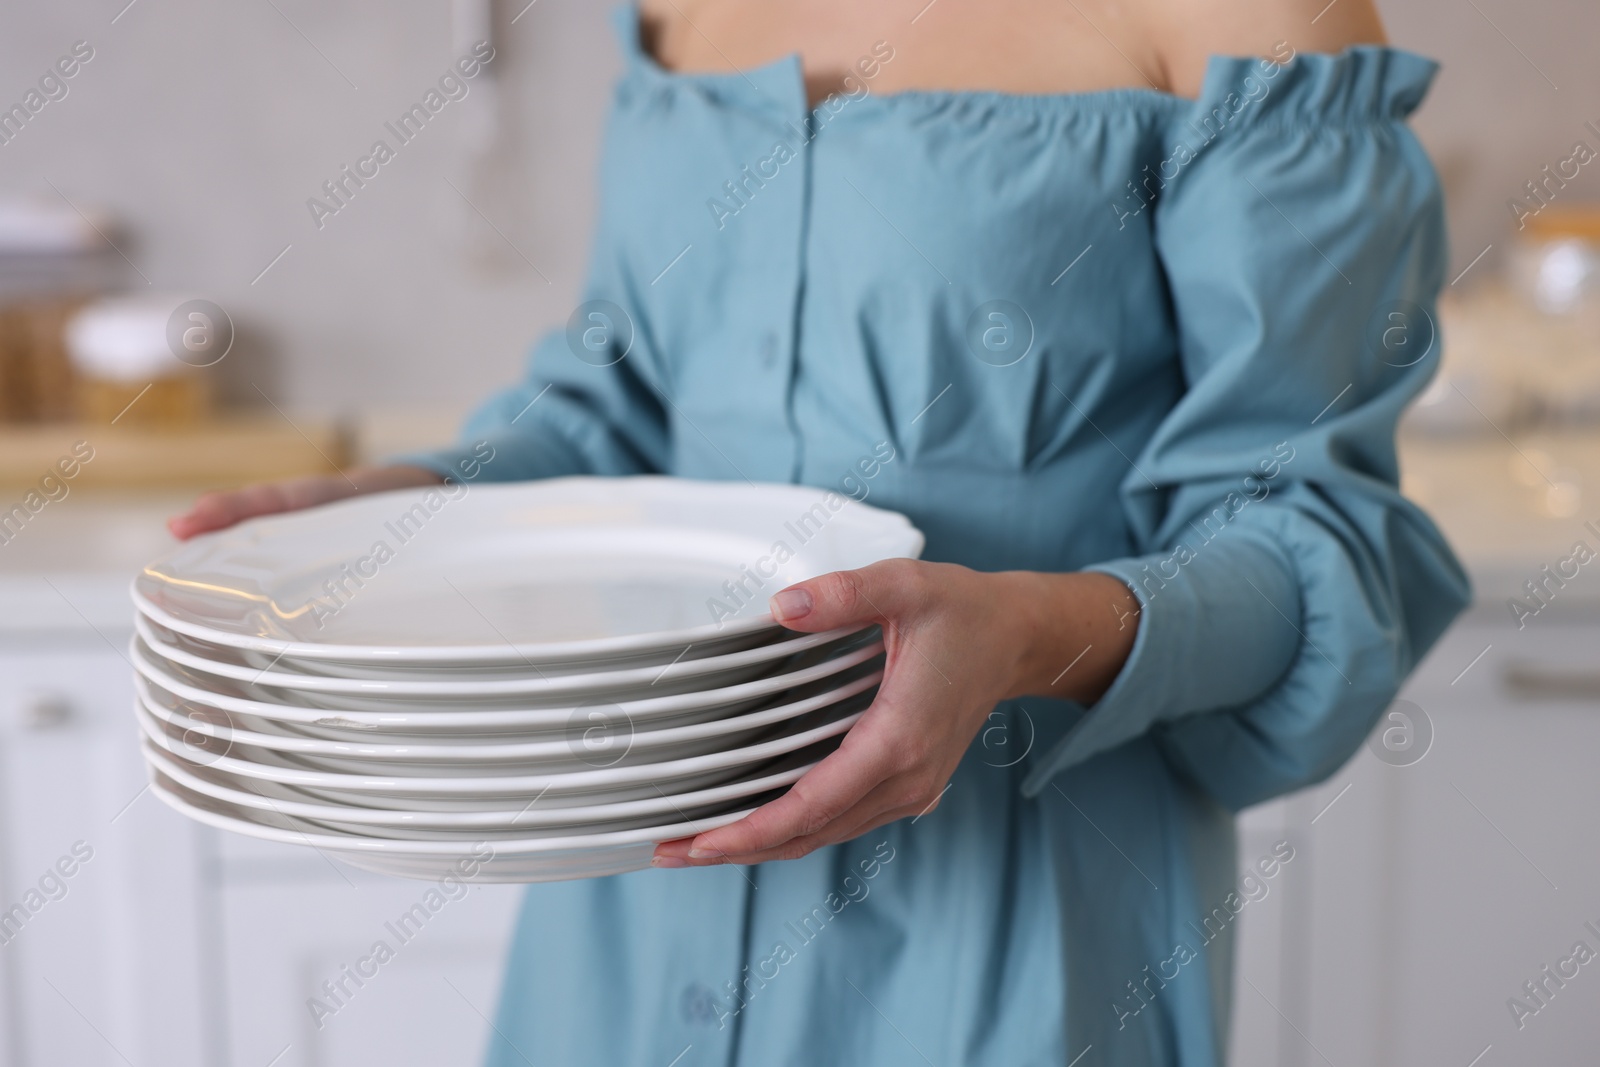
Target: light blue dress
{"points": [[1120, 330]]}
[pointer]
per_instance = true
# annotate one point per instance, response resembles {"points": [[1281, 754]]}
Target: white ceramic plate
{"points": [[602, 755], [289, 830], [559, 570], [524, 860], [384, 717], [274, 814], [514, 870], [668, 660], [401, 671], [248, 767], [737, 635], [264, 809], [593, 734], [423, 804], [713, 671], [287, 800], [381, 779]]}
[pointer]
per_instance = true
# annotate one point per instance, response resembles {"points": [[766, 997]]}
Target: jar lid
{"points": [[124, 338], [37, 226]]}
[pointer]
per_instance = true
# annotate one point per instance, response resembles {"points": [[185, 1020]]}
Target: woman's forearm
{"points": [[1073, 632]]}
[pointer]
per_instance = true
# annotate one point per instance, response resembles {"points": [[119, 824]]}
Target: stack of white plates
{"points": [[557, 675]]}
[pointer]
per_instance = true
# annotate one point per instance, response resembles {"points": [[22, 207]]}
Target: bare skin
{"points": [[216, 510], [958, 640], [1015, 46]]}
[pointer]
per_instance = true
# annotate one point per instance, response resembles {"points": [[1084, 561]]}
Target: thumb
{"points": [[873, 594]]}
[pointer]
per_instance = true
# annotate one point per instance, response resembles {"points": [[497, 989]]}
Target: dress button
{"points": [[700, 1004], [769, 351]]}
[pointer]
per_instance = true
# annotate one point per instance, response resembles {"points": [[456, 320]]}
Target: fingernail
{"points": [[790, 604], [668, 861], [706, 854]]}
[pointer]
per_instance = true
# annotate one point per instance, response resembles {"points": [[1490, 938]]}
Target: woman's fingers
{"points": [[949, 660], [804, 846], [214, 511], [878, 767], [880, 807], [217, 510], [882, 591], [826, 792]]}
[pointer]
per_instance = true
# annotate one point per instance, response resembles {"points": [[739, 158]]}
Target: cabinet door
{"points": [[1263, 983], [98, 902], [1497, 858], [1334, 927], [1442, 872], [294, 920]]}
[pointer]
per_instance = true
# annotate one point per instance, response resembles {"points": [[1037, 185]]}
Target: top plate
{"points": [[562, 570]]}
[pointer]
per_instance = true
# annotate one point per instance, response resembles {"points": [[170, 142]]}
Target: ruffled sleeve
{"points": [[1285, 586]]}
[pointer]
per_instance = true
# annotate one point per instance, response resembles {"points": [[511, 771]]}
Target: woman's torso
{"points": [[972, 279], [968, 276]]}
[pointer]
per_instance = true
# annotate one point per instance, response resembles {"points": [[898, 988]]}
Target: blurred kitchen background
{"points": [[1435, 878]]}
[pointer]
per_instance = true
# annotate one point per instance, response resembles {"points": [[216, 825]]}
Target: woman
{"points": [[1126, 331]]}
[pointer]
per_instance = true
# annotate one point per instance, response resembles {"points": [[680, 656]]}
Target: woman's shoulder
{"points": [[1185, 34]]}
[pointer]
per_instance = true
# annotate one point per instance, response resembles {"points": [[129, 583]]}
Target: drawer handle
{"points": [[44, 711], [1551, 683]]}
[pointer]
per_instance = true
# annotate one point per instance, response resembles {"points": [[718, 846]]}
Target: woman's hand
{"points": [[216, 510], [958, 641]]}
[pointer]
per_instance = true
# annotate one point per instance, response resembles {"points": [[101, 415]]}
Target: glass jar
{"points": [[128, 373], [52, 260]]}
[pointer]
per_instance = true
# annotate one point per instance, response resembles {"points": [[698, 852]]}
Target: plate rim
{"points": [[172, 766], [885, 524], [571, 782], [759, 688], [354, 843], [555, 747], [546, 654], [560, 684]]}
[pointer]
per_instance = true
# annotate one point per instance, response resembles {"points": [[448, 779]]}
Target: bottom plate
{"points": [[619, 859], [543, 859]]}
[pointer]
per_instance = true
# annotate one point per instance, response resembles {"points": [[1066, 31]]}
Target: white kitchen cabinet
{"points": [[179, 946], [98, 892], [1496, 856], [1431, 892], [293, 920]]}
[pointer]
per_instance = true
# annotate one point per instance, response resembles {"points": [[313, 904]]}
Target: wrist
{"points": [[1073, 633]]}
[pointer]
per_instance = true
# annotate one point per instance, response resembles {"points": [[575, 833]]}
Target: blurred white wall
{"points": [[1518, 83], [205, 127]]}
